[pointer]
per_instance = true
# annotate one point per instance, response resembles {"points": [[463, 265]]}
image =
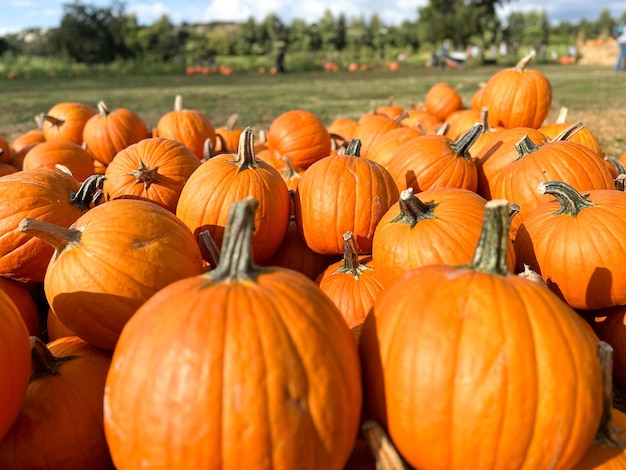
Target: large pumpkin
{"points": [[342, 193], [240, 367], [62, 416], [472, 366], [226, 178], [68, 154], [518, 96], [571, 242], [110, 261]]}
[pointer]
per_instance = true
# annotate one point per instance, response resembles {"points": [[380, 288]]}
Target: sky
{"points": [[16, 15]]}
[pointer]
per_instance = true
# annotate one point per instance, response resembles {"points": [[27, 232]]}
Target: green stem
{"points": [[412, 210], [572, 202], [44, 362], [490, 255], [353, 148], [88, 192], [236, 262], [462, 146], [525, 147]]}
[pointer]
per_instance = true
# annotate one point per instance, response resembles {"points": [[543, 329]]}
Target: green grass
{"points": [[587, 91]]}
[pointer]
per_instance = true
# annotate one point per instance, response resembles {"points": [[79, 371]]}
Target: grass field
{"points": [[596, 96]]}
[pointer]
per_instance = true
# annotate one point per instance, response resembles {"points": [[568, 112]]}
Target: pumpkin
{"points": [[564, 161], [257, 360], [62, 416], [343, 127], [434, 161], [451, 352], [154, 169], [390, 109], [228, 135], [29, 137], [439, 225], [382, 151], [110, 261], [188, 126], [442, 100], [352, 284], [48, 194], [518, 96], [14, 362], [343, 193], [20, 295], [7, 169], [226, 178], [109, 132], [422, 121], [66, 120], [301, 135], [371, 129], [56, 329], [461, 121], [583, 136], [49, 154], [570, 241]]}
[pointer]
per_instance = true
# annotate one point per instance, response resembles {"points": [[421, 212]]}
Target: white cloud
{"points": [[148, 13]]}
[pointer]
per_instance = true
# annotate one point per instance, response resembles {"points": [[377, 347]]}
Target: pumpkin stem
{"points": [[532, 275], [88, 192], [57, 236], [572, 202], [351, 263], [245, 153], [103, 109], [231, 121], [567, 133], [353, 148], [208, 150], [386, 455], [53, 120], [491, 250], [525, 147], [562, 117], [620, 182], [145, 175], [178, 103], [607, 434], [441, 130], [462, 146], [236, 262], [412, 210], [620, 171], [525, 61], [39, 120], [209, 249], [44, 362]]}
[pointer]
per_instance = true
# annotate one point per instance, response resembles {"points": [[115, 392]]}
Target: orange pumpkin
{"points": [[20, 295], [62, 414], [5, 150], [431, 338], [361, 191], [228, 135], [570, 241], [258, 361], [518, 96], [352, 284], [29, 137], [442, 100], [154, 169], [66, 120], [227, 178], [372, 128], [188, 126], [382, 151], [343, 127], [56, 329], [110, 261], [301, 135], [49, 154], [46, 194], [14, 362], [108, 132]]}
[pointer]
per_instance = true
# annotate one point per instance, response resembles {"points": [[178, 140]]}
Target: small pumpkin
{"points": [[188, 126], [108, 132], [229, 135], [442, 100], [72, 156], [66, 120]]}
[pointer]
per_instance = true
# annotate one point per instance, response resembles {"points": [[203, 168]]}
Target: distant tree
{"points": [[245, 37], [298, 38], [161, 41], [329, 32], [4, 46], [91, 34]]}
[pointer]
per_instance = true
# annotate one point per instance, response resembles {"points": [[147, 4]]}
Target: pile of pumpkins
{"points": [[439, 286]]}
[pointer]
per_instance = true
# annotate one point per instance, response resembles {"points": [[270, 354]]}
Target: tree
{"points": [[90, 34]]}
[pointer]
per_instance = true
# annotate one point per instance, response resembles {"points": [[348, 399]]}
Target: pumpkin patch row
{"points": [[376, 290]]}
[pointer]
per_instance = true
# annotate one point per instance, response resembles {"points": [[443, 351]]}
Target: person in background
{"points": [[621, 42]]}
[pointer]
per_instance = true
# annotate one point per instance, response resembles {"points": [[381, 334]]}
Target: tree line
{"points": [[98, 35]]}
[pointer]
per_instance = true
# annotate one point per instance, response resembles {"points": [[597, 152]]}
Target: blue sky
{"points": [[16, 15]]}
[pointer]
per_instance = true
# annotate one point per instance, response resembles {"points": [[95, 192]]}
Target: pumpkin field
{"points": [[385, 269]]}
